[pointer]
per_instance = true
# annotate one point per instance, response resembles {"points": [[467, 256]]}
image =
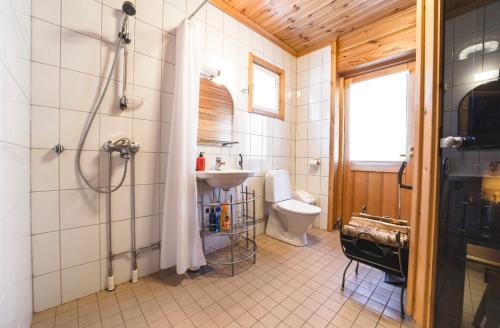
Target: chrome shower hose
{"points": [[87, 129]]}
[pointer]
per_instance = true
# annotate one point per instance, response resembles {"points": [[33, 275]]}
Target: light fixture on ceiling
{"points": [[489, 46]]}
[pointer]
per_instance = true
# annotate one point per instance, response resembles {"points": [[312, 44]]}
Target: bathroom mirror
{"points": [[215, 121], [479, 116]]}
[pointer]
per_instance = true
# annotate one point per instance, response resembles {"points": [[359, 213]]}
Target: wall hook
{"points": [[58, 148]]}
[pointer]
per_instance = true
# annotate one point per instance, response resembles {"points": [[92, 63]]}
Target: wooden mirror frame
{"points": [[252, 59]]}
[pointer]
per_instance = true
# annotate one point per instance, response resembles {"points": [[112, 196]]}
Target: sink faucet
{"points": [[219, 163]]}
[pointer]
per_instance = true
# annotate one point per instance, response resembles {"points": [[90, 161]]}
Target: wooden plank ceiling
{"points": [[301, 26]]}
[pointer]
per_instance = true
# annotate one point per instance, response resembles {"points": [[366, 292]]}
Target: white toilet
{"points": [[291, 214]]}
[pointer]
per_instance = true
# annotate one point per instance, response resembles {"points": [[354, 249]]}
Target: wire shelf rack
{"points": [[236, 240]]}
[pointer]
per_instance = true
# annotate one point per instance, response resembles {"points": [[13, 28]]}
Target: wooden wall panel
{"points": [[386, 39]]}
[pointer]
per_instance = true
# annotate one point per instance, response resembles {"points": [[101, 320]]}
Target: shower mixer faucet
{"points": [[124, 146]]}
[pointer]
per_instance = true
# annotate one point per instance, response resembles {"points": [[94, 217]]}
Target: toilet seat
{"points": [[297, 207]]}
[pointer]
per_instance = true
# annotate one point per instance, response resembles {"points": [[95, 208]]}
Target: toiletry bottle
{"points": [[224, 216], [226, 223], [217, 219], [206, 218], [211, 220], [200, 163]]}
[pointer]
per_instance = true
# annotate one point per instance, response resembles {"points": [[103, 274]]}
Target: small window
{"points": [[378, 118], [266, 88]]}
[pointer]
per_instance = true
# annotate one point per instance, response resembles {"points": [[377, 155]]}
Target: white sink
{"points": [[226, 179]]}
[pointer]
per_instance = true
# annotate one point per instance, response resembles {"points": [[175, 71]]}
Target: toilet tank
{"points": [[277, 186]]}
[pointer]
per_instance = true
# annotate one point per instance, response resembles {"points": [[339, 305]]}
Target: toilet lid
{"points": [[295, 206]]}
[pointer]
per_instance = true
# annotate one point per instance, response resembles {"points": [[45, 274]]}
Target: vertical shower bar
{"points": [[132, 208], [111, 284]]}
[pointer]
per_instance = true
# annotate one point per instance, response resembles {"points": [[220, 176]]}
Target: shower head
{"points": [[128, 8]]}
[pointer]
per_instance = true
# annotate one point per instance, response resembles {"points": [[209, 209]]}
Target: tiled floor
{"points": [[287, 287]]}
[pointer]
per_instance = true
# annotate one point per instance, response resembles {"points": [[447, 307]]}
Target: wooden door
{"points": [[373, 184]]}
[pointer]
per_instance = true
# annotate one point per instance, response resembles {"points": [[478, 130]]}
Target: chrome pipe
{"points": [[132, 209], [108, 216]]}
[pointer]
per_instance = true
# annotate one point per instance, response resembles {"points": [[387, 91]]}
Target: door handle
{"points": [[411, 152]]}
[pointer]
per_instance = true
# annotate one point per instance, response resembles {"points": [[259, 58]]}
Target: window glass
{"points": [[377, 118], [265, 89]]}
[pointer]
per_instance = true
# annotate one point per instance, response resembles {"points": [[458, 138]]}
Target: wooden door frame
{"points": [[423, 251], [423, 239]]}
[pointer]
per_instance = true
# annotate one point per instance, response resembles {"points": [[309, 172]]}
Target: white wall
{"points": [[71, 56], [15, 241], [313, 127], [265, 143], [480, 25], [73, 46]]}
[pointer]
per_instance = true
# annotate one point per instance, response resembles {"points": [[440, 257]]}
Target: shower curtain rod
{"points": [[198, 9]]}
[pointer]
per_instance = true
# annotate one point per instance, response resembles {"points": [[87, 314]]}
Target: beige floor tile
{"points": [[288, 287], [246, 320]]}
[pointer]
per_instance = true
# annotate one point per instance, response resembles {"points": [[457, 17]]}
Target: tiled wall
{"points": [[265, 143], [72, 51], [15, 240], [73, 47], [313, 127], [475, 27]]}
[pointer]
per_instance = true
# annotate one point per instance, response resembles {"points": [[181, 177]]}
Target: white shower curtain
{"points": [[180, 243]]}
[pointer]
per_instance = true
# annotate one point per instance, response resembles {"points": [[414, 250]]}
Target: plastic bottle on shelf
{"points": [[212, 220], [217, 218]]}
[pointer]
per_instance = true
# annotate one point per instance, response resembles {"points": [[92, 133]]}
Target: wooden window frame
{"points": [[252, 59]]}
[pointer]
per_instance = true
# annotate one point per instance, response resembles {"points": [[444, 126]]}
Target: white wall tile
{"points": [[44, 212], [44, 170], [69, 176], [147, 72], [172, 17], [16, 306], [46, 291], [44, 127], [46, 44], [148, 39], [80, 52], [48, 10], [45, 250], [151, 11], [80, 281], [80, 245], [83, 16], [215, 18], [72, 124], [147, 134], [43, 93], [79, 208]]}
